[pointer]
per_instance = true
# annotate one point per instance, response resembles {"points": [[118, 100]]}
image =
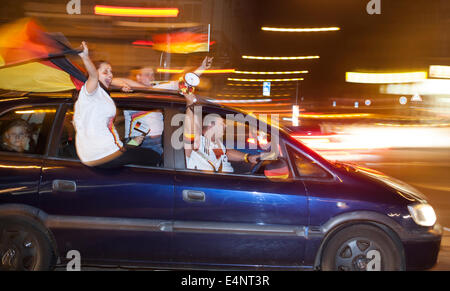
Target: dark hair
{"points": [[18, 122], [98, 63]]}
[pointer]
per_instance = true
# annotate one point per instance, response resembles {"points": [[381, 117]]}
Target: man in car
{"points": [[207, 151], [151, 120]]}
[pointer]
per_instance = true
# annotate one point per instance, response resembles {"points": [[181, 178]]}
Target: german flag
{"points": [[277, 170], [34, 60], [182, 41]]}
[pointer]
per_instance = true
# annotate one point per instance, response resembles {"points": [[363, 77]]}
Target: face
{"points": [[105, 74], [146, 76], [17, 138], [216, 130]]}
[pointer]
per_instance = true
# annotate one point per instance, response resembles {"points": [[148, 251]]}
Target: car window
{"points": [[25, 130], [306, 167], [236, 137], [129, 123]]}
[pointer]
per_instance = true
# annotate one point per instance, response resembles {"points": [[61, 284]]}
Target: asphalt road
{"points": [[428, 170]]}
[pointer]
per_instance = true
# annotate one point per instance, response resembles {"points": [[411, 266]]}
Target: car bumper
{"points": [[422, 248]]}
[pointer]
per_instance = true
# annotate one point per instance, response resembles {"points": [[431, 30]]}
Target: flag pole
{"points": [[209, 35]]}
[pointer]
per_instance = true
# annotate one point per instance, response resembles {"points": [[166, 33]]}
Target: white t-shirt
{"points": [[93, 119], [152, 120], [205, 158]]}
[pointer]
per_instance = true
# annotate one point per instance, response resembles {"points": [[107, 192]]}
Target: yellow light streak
{"points": [[265, 80], [271, 73], [280, 58], [312, 29], [35, 111], [135, 11]]}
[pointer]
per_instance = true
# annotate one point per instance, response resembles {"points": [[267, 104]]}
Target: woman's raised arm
{"points": [[92, 82]]}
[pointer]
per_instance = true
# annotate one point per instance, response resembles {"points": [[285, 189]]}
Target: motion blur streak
{"points": [[319, 29], [379, 137], [265, 80], [384, 78], [271, 73], [280, 58], [135, 11]]}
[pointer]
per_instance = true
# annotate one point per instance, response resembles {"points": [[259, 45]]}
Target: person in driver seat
{"points": [[208, 153]]}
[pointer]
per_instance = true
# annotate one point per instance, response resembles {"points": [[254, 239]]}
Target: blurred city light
{"points": [[135, 11], [280, 58], [379, 137], [318, 29], [295, 115], [240, 101], [143, 42], [271, 73], [265, 80], [210, 71], [440, 71], [426, 87], [385, 78]]}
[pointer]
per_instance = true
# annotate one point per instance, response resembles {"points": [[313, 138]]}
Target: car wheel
{"points": [[24, 246], [361, 248]]}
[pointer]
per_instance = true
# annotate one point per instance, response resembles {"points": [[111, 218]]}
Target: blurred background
{"points": [[373, 89]]}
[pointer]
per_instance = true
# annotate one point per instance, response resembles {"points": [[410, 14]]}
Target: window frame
{"points": [[180, 159], [168, 155], [50, 130], [331, 176]]}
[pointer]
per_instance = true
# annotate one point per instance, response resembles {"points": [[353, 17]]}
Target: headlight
{"points": [[422, 214]]}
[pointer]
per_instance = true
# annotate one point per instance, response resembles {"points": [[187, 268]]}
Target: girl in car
{"points": [[97, 141], [17, 137]]}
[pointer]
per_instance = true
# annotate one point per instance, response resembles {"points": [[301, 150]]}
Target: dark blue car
{"points": [[328, 216]]}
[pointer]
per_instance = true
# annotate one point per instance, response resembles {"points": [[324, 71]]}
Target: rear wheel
{"points": [[24, 245], [361, 248]]}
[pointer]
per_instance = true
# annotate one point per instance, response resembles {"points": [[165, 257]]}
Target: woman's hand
{"points": [[139, 139], [85, 52]]}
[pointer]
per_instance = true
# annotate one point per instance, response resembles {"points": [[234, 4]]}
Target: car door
{"points": [[237, 219], [107, 215], [20, 171]]}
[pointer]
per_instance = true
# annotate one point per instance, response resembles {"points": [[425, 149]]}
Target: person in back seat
{"points": [[17, 137]]}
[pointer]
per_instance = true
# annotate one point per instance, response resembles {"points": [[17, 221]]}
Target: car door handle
{"points": [[64, 186], [193, 196]]}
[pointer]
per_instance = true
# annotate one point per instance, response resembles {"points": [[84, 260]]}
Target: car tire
{"points": [[25, 245], [361, 248]]}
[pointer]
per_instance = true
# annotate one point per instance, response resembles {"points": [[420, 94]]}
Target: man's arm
{"points": [[124, 82], [192, 127], [206, 64], [237, 156]]}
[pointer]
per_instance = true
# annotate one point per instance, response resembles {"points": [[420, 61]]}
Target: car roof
{"points": [[11, 98], [164, 96]]}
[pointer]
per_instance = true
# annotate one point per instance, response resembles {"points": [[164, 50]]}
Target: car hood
{"points": [[401, 188]]}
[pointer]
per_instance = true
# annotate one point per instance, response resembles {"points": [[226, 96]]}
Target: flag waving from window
{"points": [[183, 41], [34, 60]]}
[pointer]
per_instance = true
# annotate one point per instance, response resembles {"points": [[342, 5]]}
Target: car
{"points": [[323, 216]]}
